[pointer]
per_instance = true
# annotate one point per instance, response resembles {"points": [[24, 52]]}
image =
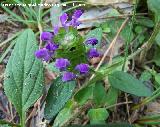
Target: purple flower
{"points": [[93, 53], [68, 76], [82, 68], [92, 41], [62, 63], [43, 54], [51, 46], [46, 36], [74, 21]]}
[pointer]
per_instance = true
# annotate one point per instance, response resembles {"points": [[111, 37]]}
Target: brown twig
{"points": [[127, 107], [112, 17], [41, 30], [122, 103]]}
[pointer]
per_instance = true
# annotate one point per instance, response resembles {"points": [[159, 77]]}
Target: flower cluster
{"points": [[47, 52]]}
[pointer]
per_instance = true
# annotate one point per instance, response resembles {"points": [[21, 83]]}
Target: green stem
{"points": [[23, 119], [149, 43]]}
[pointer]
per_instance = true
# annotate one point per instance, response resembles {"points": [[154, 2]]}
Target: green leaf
{"points": [[145, 76], [98, 116], [23, 83], [97, 33], [153, 5], [114, 25], [139, 29], [156, 57], [145, 21], [58, 94], [65, 114], [157, 39], [106, 28], [157, 78], [99, 94], [112, 96], [127, 83], [84, 95]]}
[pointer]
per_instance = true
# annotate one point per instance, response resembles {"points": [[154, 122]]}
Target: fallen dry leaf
{"points": [[106, 2], [153, 108]]}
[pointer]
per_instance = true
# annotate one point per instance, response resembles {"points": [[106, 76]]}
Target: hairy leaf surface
{"points": [[23, 82]]}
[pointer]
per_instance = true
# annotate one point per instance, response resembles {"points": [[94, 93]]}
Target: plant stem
{"points": [[9, 123], [149, 43], [23, 117]]}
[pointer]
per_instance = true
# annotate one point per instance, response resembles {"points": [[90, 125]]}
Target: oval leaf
{"points": [[98, 116], [127, 83], [23, 83], [99, 98], [58, 94]]}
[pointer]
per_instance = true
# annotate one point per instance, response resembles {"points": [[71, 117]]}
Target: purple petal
{"points": [[43, 54], [46, 36], [62, 63], [92, 41], [51, 46], [63, 19], [77, 14], [68, 76], [56, 29], [93, 53], [82, 68], [74, 23]]}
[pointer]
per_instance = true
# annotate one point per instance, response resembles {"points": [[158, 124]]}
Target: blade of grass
{"points": [[2, 122], [9, 39], [7, 50], [149, 120], [12, 13]]}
